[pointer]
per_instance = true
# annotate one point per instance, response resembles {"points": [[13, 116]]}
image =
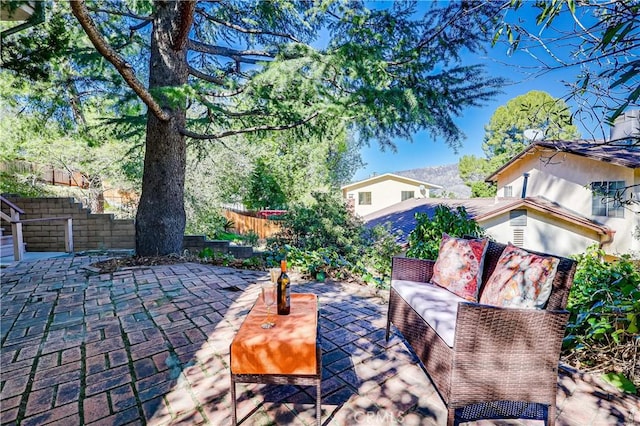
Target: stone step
{"points": [[6, 245]]}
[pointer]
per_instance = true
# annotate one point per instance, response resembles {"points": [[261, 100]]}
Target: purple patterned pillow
{"points": [[459, 266], [520, 280]]}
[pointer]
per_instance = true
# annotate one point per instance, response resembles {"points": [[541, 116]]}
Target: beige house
{"points": [[566, 196], [378, 192]]}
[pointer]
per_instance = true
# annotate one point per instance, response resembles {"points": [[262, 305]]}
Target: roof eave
{"points": [[494, 176], [392, 176], [583, 222]]}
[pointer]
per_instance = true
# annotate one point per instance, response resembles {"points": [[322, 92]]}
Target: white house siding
{"points": [[542, 233], [384, 193], [635, 227], [565, 178]]}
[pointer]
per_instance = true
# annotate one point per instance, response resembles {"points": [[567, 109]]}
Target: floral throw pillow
{"points": [[520, 280], [459, 266]]}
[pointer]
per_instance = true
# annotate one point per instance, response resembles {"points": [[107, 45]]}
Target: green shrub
{"points": [[324, 223], [209, 223], [227, 224], [254, 262], [22, 185], [207, 254], [325, 236], [227, 236], [313, 261], [605, 313], [380, 247], [250, 238], [424, 240]]}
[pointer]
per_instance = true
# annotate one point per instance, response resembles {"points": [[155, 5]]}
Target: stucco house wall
{"points": [[565, 178], [385, 190], [542, 233]]}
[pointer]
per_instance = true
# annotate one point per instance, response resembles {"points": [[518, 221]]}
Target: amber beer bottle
{"points": [[283, 290]]}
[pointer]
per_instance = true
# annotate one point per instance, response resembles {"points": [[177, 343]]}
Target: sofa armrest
{"points": [[411, 269], [483, 327], [514, 350]]}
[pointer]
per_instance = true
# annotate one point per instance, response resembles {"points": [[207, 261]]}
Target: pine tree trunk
{"points": [[160, 219]]}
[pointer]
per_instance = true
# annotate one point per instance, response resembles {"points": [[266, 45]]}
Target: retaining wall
{"points": [[91, 231]]}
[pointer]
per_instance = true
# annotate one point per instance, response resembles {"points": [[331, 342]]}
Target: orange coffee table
{"points": [[289, 353]]}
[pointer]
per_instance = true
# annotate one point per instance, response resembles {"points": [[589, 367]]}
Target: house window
{"points": [[518, 218], [607, 197], [407, 194], [508, 191], [364, 198]]}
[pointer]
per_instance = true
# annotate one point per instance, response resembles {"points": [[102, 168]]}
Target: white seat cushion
{"points": [[437, 306]]}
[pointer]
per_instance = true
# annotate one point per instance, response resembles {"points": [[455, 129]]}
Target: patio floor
{"points": [[150, 345]]}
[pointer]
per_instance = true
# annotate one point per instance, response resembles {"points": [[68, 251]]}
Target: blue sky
{"points": [[426, 151]]}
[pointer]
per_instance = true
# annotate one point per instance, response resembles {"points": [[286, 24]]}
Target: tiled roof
{"points": [[615, 153], [401, 216]]}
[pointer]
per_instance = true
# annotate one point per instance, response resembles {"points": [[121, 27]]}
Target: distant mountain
{"points": [[446, 176]]}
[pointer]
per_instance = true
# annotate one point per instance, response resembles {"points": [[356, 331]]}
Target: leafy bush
{"points": [[208, 255], [314, 261], [605, 316], [325, 236], [209, 223], [22, 185], [424, 240], [254, 262], [227, 224], [324, 223], [250, 238], [380, 247]]}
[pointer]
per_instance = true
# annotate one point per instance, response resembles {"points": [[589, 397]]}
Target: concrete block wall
{"points": [[196, 243], [90, 231], [93, 231]]}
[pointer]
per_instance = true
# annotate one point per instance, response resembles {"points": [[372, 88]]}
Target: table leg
{"points": [[318, 402], [234, 415]]}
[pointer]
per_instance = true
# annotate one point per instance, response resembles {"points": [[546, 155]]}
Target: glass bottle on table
{"points": [[283, 290]]}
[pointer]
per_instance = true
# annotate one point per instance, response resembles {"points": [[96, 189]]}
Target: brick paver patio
{"points": [[150, 345]]}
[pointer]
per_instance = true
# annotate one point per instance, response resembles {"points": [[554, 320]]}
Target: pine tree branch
{"points": [[120, 13], [204, 76], [464, 9], [237, 55], [199, 136], [243, 29], [140, 26], [236, 92], [79, 10], [239, 114]]}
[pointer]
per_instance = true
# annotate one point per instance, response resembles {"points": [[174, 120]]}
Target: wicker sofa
{"points": [[503, 362]]}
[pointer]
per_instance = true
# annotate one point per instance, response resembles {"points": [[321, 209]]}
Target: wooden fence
{"points": [[47, 173], [246, 222]]}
